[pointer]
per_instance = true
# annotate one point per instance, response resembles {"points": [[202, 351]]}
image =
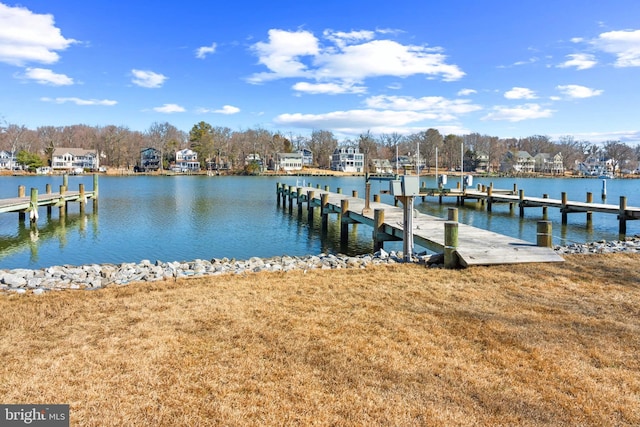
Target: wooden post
{"points": [[62, 210], [622, 216], [21, 193], [324, 201], [376, 198], [589, 213], [367, 196], [545, 208], [521, 204], [95, 186], [452, 214], [326, 188], [378, 221], [33, 206], [278, 194], [450, 244], [310, 195], [489, 194], [515, 188], [82, 195], [344, 221], [354, 193], [48, 191], [299, 199], [339, 190], [564, 208], [544, 234], [65, 180]]}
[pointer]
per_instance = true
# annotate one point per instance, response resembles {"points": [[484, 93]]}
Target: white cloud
{"points": [[466, 92], [520, 93], [341, 39], [346, 57], [148, 79], [80, 101], [203, 51], [228, 109], [581, 61], [519, 113], [329, 88], [577, 91], [169, 108], [352, 119], [47, 77], [437, 107], [625, 45], [29, 37], [282, 54]]}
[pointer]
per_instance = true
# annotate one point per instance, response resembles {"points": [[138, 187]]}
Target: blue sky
{"points": [[498, 67]]}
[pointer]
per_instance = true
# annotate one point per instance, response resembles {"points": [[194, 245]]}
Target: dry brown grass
{"points": [[544, 344]]}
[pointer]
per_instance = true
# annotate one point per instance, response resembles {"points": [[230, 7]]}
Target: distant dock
{"points": [[23, 204]]}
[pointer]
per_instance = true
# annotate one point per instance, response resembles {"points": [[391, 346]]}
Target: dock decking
{"points": [[475, 246]]}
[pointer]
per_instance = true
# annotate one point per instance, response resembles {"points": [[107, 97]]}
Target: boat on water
{"points": [[607, 175]]}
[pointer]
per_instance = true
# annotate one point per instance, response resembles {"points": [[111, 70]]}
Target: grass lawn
{"points": [[534, 344]]}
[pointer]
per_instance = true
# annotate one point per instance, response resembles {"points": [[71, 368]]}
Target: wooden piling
{"points": [[21, 193], [521, 203], [324, 212], [33, 206], [278, 194], [622, 230], [564, 208], [344, 222], [450, 244], [376, 198], [452, 214], [310, 195], [544, 237], [378, 221], [589, 213], [82, 201], [545, 208]]}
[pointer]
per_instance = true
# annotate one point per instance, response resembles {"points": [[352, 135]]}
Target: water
{"points": [[189, 217]]}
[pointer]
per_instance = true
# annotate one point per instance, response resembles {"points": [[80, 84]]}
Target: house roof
{"points": [[73, 151]]}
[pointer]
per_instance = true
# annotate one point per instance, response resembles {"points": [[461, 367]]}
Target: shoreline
{"points": [[99, 276]]}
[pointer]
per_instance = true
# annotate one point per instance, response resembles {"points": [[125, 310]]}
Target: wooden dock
{"points": [[474, 246], [24, 204]]}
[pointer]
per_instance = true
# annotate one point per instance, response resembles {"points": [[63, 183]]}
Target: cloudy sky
{"points": [[499, 67]]}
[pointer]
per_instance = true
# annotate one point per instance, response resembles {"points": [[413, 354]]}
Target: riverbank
{"points": [[97, 276], [391, 344]]}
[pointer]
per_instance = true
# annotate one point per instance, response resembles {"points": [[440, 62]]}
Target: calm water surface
{"points": [[190, 217]]}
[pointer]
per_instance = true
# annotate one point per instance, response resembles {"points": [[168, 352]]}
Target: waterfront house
{"points": [[74, 160], [7, 159], [546, 163], [596, 166], [380, 166], [150, 159], [347, 159], [518, 162], [187, 160], [289, 161], [307, 157]]}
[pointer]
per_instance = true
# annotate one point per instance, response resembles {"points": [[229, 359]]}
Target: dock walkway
{"points": [[475, 246]]}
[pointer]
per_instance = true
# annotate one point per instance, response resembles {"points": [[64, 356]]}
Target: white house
{"points": [[546, 163], [187, 160], [7, 159], [289, 161], [347, 159], [72, 159], [518, 161]]}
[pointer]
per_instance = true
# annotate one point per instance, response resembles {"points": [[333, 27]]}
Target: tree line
{"points": [[120, 147]]}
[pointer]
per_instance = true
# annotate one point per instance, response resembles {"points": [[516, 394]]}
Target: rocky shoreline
{"points": [[97, 276]]}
